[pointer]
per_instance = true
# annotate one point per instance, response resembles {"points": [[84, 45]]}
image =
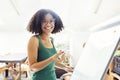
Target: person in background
{"points": [[66, 76], [42, 55]]}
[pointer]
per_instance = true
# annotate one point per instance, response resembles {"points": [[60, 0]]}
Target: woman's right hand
{"points": [[59, 56]]}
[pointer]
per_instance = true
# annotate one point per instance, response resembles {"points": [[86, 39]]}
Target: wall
{"points": [[13, 42]]}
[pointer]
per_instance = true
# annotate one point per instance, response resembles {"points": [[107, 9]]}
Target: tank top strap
{"points": [[37, 36], [39, 40], [52, 40]]}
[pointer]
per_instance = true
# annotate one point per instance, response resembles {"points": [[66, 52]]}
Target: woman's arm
{"points": [[64, 67], [33, 46], [60, 65]]}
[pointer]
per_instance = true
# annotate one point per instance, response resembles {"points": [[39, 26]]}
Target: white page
{"points": [[96, 55]]}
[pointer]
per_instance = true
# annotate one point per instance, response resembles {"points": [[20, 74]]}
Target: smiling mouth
{"points": [[48, 28]]}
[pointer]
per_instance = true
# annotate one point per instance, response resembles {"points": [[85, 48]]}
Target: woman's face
{"points": [[48, 24]]}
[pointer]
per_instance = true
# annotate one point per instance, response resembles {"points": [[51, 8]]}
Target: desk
{"points": [[13, 58]]}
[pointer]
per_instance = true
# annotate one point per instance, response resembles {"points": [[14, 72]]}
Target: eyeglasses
{"points": [[51, 21]]}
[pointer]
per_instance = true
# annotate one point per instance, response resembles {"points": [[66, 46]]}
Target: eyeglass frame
{"points": [[51, 21]]}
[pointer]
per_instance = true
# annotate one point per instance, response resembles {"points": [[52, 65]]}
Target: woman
{"points": [[42, 54]]}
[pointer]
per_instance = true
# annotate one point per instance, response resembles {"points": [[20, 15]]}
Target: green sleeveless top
{"points": [[48, 73]]}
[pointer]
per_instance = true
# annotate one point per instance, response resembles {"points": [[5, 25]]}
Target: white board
{"points": [[96, 56]]}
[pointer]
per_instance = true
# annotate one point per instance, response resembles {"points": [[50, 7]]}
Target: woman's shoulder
{"points": [[33, 38]]}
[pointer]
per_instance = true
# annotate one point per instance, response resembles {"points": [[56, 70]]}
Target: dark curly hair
{"points": [[34, 25]]}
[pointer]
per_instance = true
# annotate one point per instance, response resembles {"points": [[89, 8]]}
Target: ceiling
{"points": [[77, 15]]}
